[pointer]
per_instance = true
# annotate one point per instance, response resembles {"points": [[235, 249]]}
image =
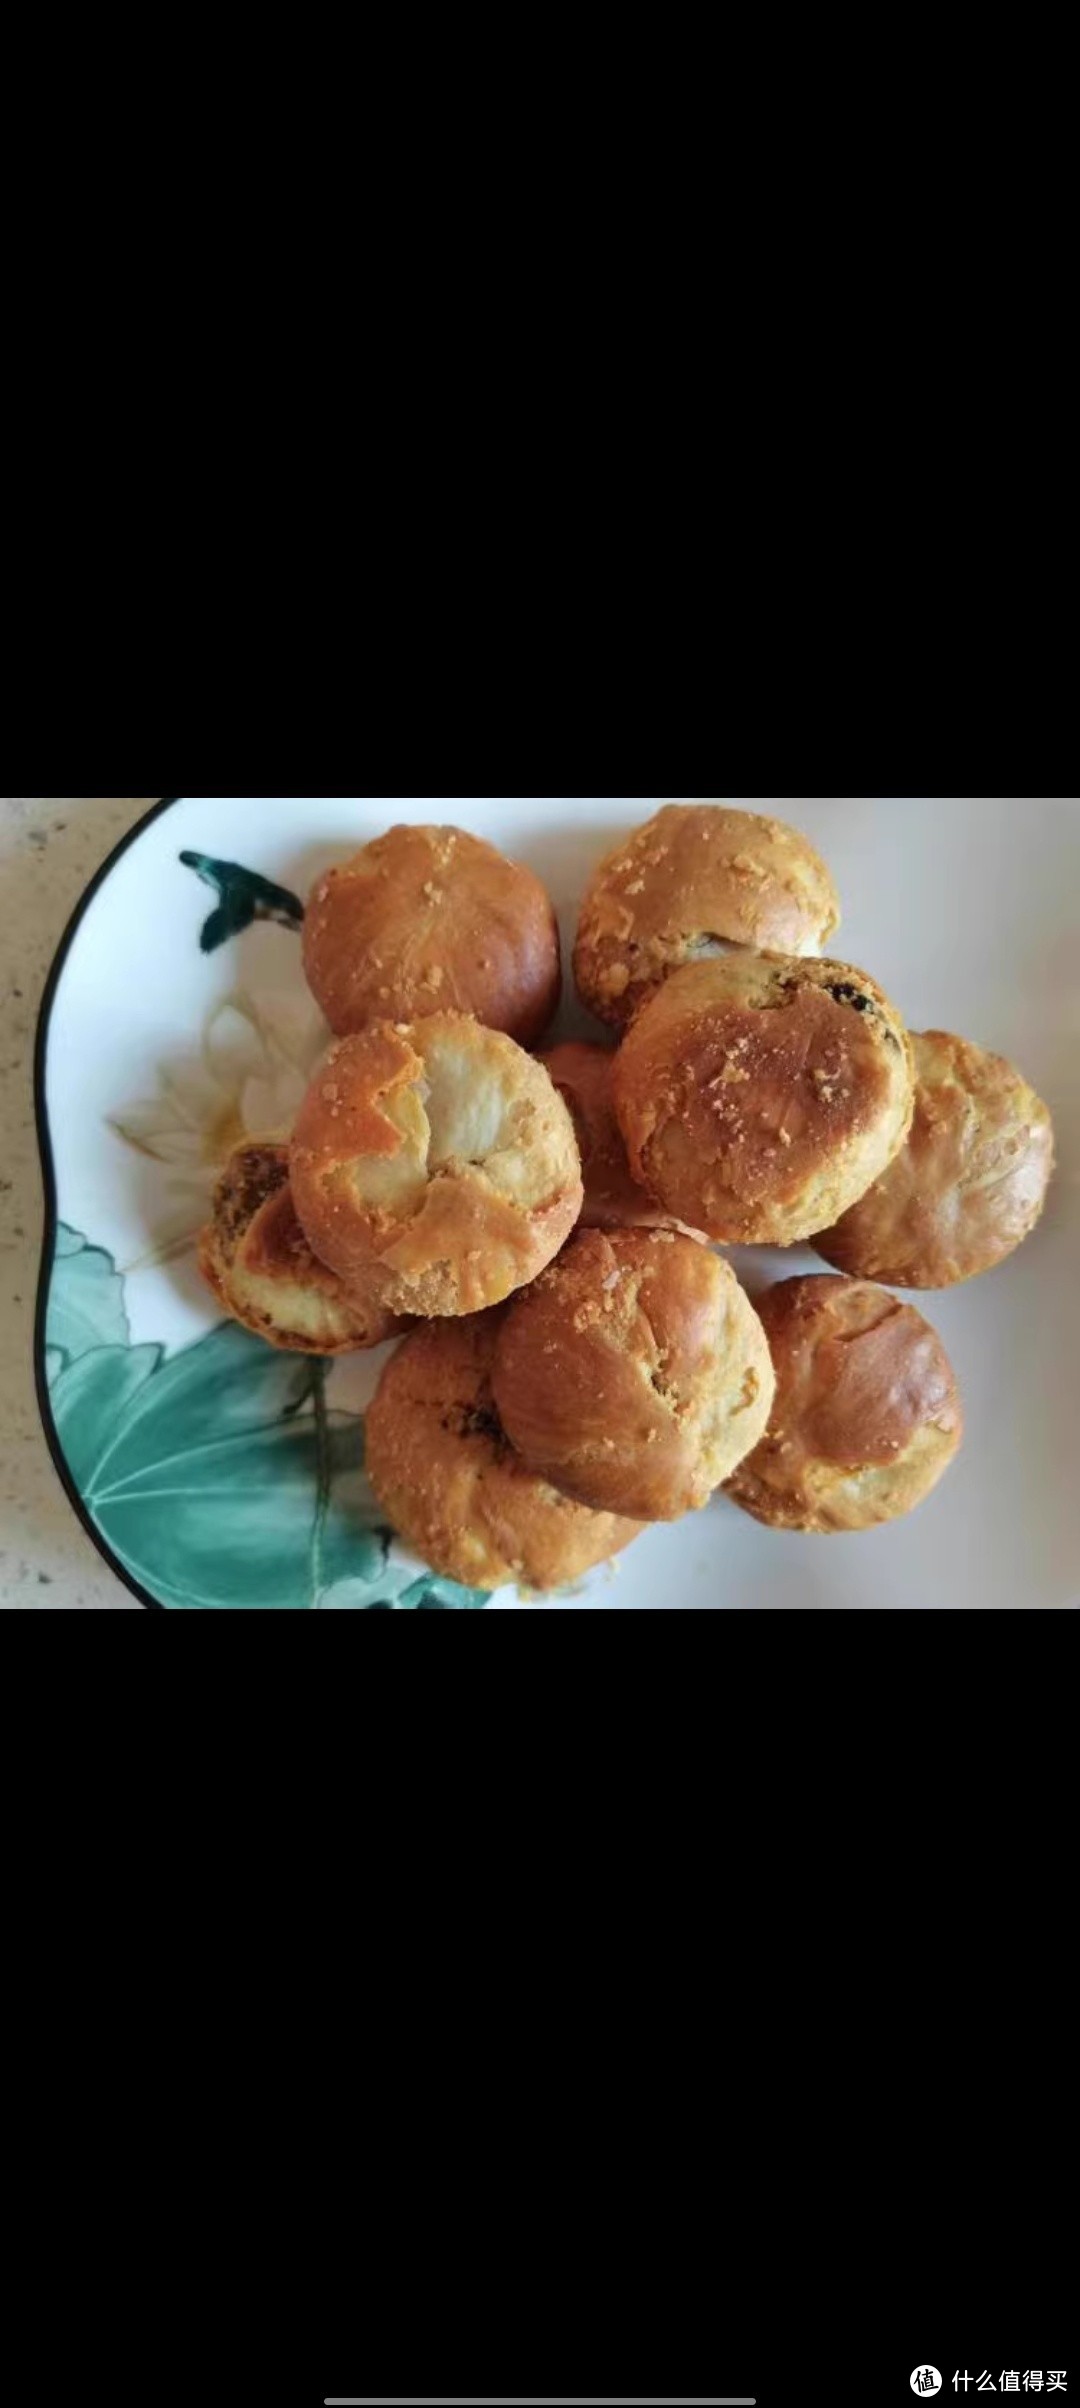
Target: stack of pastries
{"points": [[538, 1227]]}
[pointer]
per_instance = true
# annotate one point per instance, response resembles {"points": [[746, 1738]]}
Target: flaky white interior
{"points": [[464, 1113], [299, 1310]]}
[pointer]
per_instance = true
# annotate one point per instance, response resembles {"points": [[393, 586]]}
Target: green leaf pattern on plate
{"points": [[244, 896], [220, 1475], [86, 1303]]}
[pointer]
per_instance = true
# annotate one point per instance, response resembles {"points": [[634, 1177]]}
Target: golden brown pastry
{"points": [[450, 1482], [866, 1416], [634, 1373], [694, 880], [433, 920], [582, 1074], [968, 1185], [255, 1257], [758, 1096], [440, 1152]]}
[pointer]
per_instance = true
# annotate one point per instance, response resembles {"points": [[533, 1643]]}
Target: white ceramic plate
{"points": [[212, 1471]]}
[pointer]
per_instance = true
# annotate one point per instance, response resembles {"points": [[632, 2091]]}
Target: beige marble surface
{"points": [[50, 847]]}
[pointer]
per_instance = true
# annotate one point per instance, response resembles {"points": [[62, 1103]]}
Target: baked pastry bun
{"points": [[582, 1074], [866, 1416], [693, 881], [433, 920], [758, 1097], [449, 1480], [634, 1373], [967, 1186], [440, 1152], [255, 1257]]}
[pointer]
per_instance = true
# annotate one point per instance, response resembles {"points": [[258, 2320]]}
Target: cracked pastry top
{"points": [[430, 919], [866, 1415], [440, 1152], [968, 1185], [255, 1257], [634, 1373], [448, 1479], [695, 880], [583, 1075], [758, 1097]]}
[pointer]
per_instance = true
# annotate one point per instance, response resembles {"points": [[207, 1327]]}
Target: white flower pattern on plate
{"points": [[258, 1054]]}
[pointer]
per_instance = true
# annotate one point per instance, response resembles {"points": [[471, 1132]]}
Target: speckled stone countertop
{"points": [[50, 848]]}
